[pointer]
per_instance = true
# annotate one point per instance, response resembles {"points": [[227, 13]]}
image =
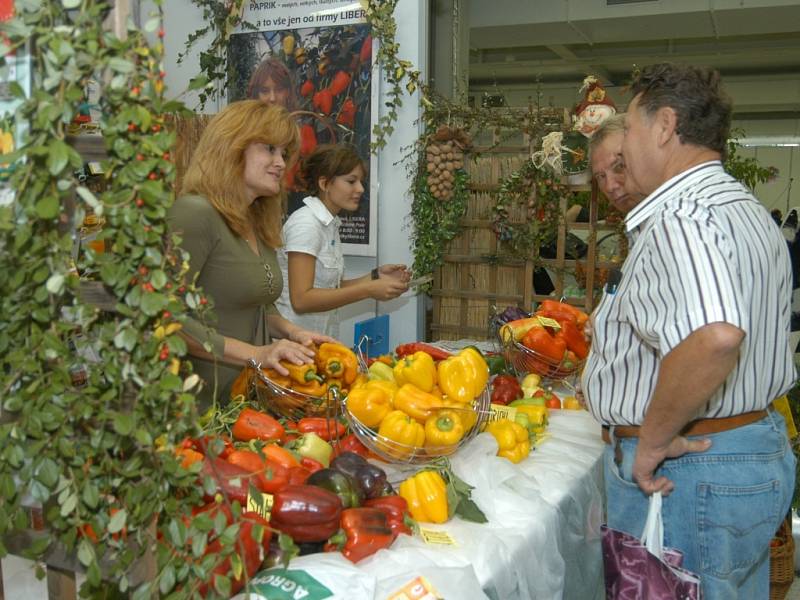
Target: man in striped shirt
{"points": [[692, 346]]}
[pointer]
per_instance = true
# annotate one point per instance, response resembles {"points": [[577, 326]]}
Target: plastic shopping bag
{"points": [[643, 568]]}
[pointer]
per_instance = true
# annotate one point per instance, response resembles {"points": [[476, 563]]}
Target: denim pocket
{"points": [[622, 472], [735, 524]]}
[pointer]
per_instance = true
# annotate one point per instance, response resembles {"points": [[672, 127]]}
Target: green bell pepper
{"points": [[341, 484]]}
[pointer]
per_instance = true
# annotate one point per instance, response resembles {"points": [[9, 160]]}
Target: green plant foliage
{"points": [[746, 170], [94, 402]]}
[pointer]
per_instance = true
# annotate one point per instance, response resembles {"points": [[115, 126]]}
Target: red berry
{"points": [[152, 176], [140, 157], [131, 126], [135, 91], [156, 127], [168, 285], [203, 301], [147, 228], [161, 32], [165, 156], [166, 314], [139, 202], [142, 270], [181, 290]]}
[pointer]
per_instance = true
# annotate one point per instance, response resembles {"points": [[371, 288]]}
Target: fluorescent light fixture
{"points": [[773, 141]]}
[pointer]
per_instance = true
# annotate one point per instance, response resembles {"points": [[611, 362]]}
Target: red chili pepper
{"points": [[327, 429], [308, 140], [347, 113], [366, 50], [340, 82], [323, 101], [350, 443], [307, 89], [311, 464], [407, 349], [364, 532], [254, 425], [505, 389], [267, 476], [396, 510], [306, 513]]}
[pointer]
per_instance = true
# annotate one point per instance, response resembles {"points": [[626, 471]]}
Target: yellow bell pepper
{"points": [[401, 429], [369, 405], [302, 374], [466, 412], [360, 380], [381, 371], [315, 388], [463, 376], [512, 439], [418, 369], [416, 403], [536, 414], [388, 387], [335, 360], [443, 428], [426, 494]]}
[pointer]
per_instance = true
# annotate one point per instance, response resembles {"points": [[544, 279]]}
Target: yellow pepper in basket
{"points": [[418, 369], [369, 405], [302, 374], [337, 361], [463, 376], [416, 403], [388, 387], [512, 439], [315, 388], [426, 494], [443, 428], [398, 427], [466, 412]]}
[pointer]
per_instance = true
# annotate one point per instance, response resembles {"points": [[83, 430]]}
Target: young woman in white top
{"points": [[311, 258]]}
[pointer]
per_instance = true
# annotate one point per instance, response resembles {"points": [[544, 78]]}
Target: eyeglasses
{"points": [[617, 168]]}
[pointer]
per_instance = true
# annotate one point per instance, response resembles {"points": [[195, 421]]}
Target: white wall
{"points": [[181, 18]]}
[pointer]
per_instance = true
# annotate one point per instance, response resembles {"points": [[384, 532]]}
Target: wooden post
{"points": [[60, 584]]}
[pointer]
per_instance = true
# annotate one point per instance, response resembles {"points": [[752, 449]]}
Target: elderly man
{"points": [[608, 168], [692, 348]]}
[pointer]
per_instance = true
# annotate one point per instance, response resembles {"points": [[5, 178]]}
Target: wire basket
{"points": [[524, 360], [395, 452], [289, 403]]}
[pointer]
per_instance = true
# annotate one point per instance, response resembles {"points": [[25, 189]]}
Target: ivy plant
{"points": [[96, 401]]}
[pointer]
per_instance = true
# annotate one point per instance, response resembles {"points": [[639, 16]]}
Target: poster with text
{"points": [[315, 58]]}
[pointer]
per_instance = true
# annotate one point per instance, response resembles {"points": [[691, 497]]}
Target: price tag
{"points": [[418, 588], [260, 503], [548, 322], [499, 411], [436, 537]]}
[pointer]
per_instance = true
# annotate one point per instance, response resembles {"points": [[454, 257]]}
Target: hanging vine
{"points": [[95, 401]]}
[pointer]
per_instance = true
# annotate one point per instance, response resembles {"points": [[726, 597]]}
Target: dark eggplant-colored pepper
{"points": [[341, 484], [372, 479]]}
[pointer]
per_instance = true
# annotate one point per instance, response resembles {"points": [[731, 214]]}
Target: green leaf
{"points": [[158, 278], [48, 472], [469, 511], [91, 497], [198, 82], [199, 545], [120, 65], [167, 581], [47, 207], [123, 423], [58, 156], [70, 4], [223, 585], [85, 552], [69, 504], [117, 522], [152, 24], [126, 339], [152, 303]]}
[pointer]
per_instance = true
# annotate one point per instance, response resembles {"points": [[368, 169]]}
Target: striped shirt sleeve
{"points": [[687, 281]]}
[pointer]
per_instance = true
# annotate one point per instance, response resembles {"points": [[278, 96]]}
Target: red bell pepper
{"points": [[306, 513], [231, 480], [575, 340], [254, 425], [347, 113], [327, 429], [267, 476], [210, 445], [407, 349], [364, 532], [298, 475], [366, 50], [323, 101], [396, 510], [308, 139], [505, 389], [311, 464], [307, 88], [545, 344], [340, 82], [351, 443], [561, 310]]}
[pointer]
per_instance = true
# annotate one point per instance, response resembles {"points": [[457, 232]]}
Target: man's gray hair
{"points": [[615, 124]]}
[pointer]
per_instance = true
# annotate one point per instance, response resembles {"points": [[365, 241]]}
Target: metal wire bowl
{"points": [[395, 452], [524, 360], [289, 403]]}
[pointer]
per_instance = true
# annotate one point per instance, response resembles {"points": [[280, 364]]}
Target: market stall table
{"points": [[541, 541]]}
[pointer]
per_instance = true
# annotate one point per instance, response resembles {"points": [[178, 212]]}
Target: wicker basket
{"points": [[781, 561]]}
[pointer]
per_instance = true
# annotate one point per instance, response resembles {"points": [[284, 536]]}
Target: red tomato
{"points": [[552, 402]]}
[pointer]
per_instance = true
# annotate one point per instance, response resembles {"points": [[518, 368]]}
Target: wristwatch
{"points": [[375, 273]]}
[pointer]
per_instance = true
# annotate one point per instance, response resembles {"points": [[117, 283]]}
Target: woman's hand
{"points": [[399, 272], [269, 356], [387, 288], [310, 338]]}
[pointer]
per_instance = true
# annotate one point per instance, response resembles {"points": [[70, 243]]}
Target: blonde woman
{"points": [[229, 218]]}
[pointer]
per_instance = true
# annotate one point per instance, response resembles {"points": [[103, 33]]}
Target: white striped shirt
{"points": [[703, 250]]}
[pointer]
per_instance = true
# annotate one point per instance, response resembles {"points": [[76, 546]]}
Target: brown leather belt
{"points": [[696, 427]]}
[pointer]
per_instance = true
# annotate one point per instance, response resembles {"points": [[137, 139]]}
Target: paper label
{"points": [[499, 411], [418, 588], [261, 503], [548, 322], [436, 537]]}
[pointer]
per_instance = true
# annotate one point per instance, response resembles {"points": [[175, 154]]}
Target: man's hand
{"points": [[648, 458]]}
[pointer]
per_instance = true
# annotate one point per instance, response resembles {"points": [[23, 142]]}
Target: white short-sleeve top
{"points": [[312, 229]]}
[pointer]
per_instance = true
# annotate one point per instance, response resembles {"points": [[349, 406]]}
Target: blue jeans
{"points": [[726, 506]]}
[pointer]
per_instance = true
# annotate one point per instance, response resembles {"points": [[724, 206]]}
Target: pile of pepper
{"points": [[334, 366], [423, 400], [555, 336]]}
